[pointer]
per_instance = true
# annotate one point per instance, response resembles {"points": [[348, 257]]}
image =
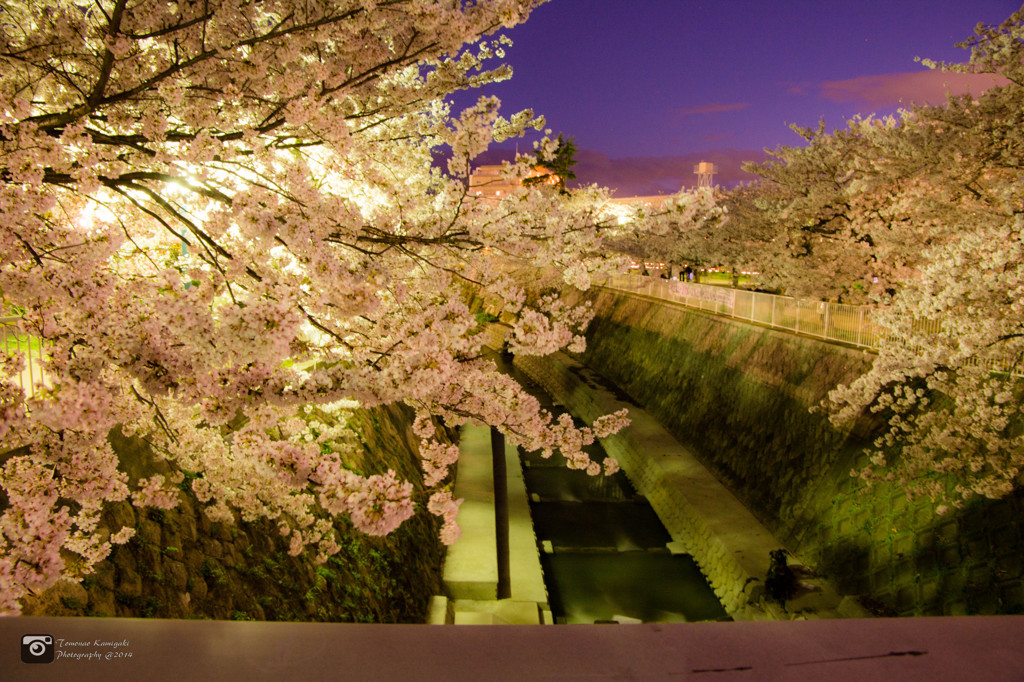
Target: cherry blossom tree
{"points": [[922, 214], [805, 196], [723, 230], [948, 372], [218, 214], [677, 231], [858, 209]]}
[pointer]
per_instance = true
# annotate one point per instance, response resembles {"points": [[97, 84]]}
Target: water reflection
{"points": [[559, 483], [655, 588], [599, 524]]}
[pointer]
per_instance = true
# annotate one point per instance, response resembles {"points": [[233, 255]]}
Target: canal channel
{"points": [[603, 549]]}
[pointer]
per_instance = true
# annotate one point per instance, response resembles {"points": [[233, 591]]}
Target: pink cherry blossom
{"points": [[224, 226]]}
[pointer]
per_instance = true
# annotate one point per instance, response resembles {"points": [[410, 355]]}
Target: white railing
{"points": [[850, 324], [14, 341]]}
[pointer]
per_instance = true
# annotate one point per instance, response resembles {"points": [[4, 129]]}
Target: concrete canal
{"points": [[604, 550]]}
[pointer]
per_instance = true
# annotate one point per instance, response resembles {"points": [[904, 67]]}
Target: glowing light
{"points": [[92, 212]]}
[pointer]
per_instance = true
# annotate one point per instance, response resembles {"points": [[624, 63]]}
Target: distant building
{"points": [[486, 182]]}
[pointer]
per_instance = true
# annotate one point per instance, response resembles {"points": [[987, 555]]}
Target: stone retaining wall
{"points": [[182, 565]]}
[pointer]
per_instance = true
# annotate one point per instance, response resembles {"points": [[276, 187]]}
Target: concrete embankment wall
{"points": [[740, 396]]}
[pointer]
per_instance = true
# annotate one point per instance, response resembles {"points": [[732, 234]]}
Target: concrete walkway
{"points": [[471, 566], [703, 517]]}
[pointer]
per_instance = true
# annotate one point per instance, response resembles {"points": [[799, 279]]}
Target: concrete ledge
{"points": [[497, 612], [471, 564], [438, 612], [526, 577]]}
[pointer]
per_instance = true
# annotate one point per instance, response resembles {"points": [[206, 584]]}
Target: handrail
{"points": [[13, 340], [852, 325], [838, 322]]}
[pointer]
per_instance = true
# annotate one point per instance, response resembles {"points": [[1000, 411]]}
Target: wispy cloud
{"points": [[918, 87], [799, 87], [713, 108]]}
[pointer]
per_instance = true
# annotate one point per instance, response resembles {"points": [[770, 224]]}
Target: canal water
{"points": [[604, 551]]}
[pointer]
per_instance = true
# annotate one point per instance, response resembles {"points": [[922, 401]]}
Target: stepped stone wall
{"points": [[741, 397]]}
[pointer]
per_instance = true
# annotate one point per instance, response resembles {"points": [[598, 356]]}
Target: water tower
{"points": [[704, 171]]}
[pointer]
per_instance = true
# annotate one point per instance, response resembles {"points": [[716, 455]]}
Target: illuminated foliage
{"points": [[923, 214], [216, 214]]}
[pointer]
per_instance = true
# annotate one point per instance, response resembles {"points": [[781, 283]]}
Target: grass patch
{"points": [[20, 343], [485, 317], [214, 572]]}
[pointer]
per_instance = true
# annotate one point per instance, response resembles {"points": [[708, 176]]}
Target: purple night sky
{"points": [[650, 87]]}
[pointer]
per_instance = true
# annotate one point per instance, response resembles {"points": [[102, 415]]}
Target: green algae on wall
{"points": [[738, 393], [741, 396]]}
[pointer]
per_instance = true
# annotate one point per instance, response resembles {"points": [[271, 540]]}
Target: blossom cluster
{"points": [[216, 216], [920, 213], [442, 504]]}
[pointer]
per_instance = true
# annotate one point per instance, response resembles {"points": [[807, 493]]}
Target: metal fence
{"points": [[850, 324], [14, 341]]}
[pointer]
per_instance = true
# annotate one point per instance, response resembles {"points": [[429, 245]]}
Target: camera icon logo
{"points": [[37, 649]]}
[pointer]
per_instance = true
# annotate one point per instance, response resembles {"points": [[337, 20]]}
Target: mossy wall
{"points": [[741, 396], [181, 565]]}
